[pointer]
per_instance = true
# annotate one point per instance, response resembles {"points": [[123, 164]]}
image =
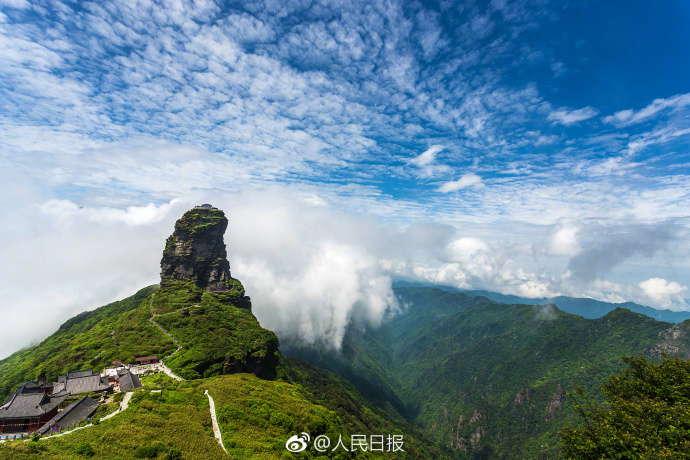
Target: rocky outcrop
{"points": [[196, 252], [521, 397], [476, 437], [556, 403], [674, 341]]}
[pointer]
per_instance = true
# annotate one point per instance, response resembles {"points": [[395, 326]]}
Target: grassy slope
{"points": [[179, 417], [86, 342], [357, 414], [256, 418], [217, 337]]}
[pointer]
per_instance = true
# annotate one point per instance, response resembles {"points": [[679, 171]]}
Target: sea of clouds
{"points": [[310, 268]]}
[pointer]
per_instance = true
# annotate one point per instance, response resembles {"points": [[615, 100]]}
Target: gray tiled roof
{"points": [[29, 405], [128, 381], [75, 412], [58, 387], [84, 384], [79, 374], [9, 401]]}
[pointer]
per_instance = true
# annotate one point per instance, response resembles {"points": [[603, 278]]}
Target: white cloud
{"points": [[428, 157], [562, 239], [546, 140], [629, 116], [664, 293], [132, 215], [567, 116], [605, 247], [467, 180], [21, 4]]}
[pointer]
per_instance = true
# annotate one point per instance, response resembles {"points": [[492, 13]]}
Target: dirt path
{"points": [[165, 368], [123, 405], [214, 421]]}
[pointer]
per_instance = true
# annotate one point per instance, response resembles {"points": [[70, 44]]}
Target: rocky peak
{"points": [[196, 252]]}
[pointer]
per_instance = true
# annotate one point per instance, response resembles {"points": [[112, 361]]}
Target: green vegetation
{"points": [[193, 220], [175, 295], [176, 419], [217, 338], [84, 449], [647, 414], [90, 340], [256, 418], [358, 415], [487, 379]]}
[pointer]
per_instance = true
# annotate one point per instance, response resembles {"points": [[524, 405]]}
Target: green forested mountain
{"points": [[489, 379], [459, 376], [212, 340], [587, 308]]}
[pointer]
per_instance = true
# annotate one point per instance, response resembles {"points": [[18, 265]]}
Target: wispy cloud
{"points": [[428, 157], [629, 116], [467, 180], [567, 116]]}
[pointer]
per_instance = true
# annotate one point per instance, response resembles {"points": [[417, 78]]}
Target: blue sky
{"points": [[534, 148]]}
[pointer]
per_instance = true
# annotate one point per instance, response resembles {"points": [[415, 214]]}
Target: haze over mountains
{"points": [[459, 374], [587, 308], [490, 379], [207, 334]]}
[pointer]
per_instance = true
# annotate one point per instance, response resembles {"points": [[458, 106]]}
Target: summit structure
{"points": [[196, 252]]}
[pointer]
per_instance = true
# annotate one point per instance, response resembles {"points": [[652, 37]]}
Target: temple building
{"points": [[80, 382], [71, 415], [27, 409], [127, 381], [146, 360]]}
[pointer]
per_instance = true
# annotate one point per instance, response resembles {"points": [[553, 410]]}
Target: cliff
{"points": [[196, 252]]}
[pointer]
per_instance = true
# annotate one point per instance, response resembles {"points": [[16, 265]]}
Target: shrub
{"points": [[174, 454], [145, 452], [281, 420], [36, 447], [84, 449], [150, 451], [317, 427], [647, 415]]}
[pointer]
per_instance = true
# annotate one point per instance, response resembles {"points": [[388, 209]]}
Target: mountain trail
{"points": [[123, 405], [165, 368], [214, 421]]}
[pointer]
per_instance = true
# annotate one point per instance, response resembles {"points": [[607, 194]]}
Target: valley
{"points": [[455, 375]]}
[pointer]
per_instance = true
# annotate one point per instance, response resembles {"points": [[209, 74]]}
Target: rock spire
{"points": [[196, 252]]}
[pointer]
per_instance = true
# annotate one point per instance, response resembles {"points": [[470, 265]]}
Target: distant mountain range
{"points": [[462, 375], [490, 379], [587, 308]]}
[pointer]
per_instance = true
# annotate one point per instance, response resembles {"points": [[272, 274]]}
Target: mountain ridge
{"points": [[261, 397], [490, 379], [583, 306]]}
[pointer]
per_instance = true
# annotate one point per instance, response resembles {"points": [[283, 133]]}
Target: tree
{"points": [[647, 414]]}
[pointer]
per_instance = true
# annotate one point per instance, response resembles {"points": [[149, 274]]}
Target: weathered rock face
{"points": [[556, 403], [674, 341], [196, 252]]}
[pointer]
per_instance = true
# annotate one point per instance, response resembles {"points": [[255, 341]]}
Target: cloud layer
{"points": [[464, 143]]}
